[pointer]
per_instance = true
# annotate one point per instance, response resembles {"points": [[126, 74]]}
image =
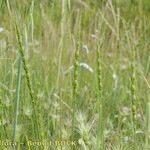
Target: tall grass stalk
{"points": [[100, 135], [8, 7], [134, 99], [76, 75], [21, 52], [17, 99], [60, 52], [61, 43], [31, 19], [147, 137]]}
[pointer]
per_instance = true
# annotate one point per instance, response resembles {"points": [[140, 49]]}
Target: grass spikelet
{"points": [[133, 94], [100, 136], [75, 76], [28, 81]]}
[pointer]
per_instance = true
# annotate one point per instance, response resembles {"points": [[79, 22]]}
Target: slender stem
{"points": [[17, 99], [100, 139], [75, 77], [61, 44], [133, 89], [148, 125], [21, 51]]}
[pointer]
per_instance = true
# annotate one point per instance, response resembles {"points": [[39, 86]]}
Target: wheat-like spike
{"points": [[75, 82], [100, 139], [75, 78], [25, 66], [99, 71], [133, 90], [76, 63], [27, 78]]}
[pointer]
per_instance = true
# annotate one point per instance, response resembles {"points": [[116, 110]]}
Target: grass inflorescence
{"points": [[100, 136], [83, 74], [133, 94], [21, 52]]}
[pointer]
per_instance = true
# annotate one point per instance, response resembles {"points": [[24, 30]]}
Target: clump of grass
{"points": [[12, 14], [21, 52], [60, 23]]}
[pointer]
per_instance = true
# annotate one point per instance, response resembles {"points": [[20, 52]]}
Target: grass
{"points": [[100, 139], [85, 74], [21, 51], [17, 99]]}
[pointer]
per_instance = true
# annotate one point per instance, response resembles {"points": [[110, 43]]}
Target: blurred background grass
{"points": [[49, 37]]}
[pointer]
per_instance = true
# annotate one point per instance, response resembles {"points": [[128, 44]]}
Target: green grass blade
{"points": [[17, 100]]}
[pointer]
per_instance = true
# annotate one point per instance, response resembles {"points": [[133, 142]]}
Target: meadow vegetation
{"points": [[76, 70]]}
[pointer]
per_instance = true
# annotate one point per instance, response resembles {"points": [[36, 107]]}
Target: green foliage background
{"points": [[49, 37]]}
